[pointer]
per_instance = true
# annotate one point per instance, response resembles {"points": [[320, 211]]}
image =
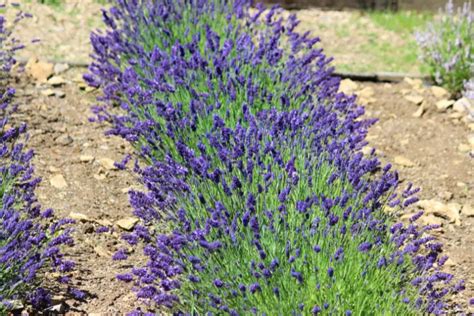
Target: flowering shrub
{"points": [[447, 47], [253, 161], [29, 243]]}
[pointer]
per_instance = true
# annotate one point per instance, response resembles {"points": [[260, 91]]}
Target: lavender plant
{"points": [[29, 241], [447, 47], [252, 160]]}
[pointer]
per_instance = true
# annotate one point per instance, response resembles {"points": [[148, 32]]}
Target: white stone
{"points": [[415, 99], [439, 92], [127, 223], [58, 181], [403, 161], [107, 163], [443, 105], [348, 86]]}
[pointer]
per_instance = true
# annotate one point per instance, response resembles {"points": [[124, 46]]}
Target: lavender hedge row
{"points": [[258, 198], [447, 48], [29, 240]]}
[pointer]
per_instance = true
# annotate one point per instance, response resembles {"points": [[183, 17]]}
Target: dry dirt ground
{"points": [[432, 152], [64, 33], [74, 159]]}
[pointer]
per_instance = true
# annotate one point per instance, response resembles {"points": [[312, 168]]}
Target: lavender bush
{"points": [[447, 47], [29, 242], [252, 161]]}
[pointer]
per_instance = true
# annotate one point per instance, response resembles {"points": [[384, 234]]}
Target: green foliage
{"points": [[447, 47], [51, 2], [359, 282], [405, 22]]}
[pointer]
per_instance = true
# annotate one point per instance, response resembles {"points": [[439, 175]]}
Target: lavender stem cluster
{"points": [[258, 199]]}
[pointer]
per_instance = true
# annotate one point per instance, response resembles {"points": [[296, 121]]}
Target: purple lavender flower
{"points": [[254, 287], [248, 156], [365, 246], [330, 272], [120, 254]]}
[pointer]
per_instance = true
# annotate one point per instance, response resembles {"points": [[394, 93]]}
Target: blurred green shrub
{"points": [[446, 46]]}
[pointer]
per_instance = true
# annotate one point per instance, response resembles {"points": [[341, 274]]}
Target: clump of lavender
{"points": [[8, 46], [29, 241], [252, 160], [447, 47]]}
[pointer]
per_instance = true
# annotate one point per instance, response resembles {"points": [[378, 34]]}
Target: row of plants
{"points": [[447, 48], [258, 198], [30, 240]]}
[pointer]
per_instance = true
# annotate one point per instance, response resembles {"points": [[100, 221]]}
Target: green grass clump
{"points": [[402, 22]]}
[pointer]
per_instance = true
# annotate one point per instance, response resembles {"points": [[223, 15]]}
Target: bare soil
{"points": [[441, 170], [61, 134], [95, 196]]}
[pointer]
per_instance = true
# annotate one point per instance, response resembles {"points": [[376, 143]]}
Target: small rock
{"points": [[439, 92], [58, 298], [367, 101], [468, 210], [53, 169], [415, 83], [60, 94], [58, 181], [446, 195], [462, 105], [430, 219], [450, 211], [61, 128], [60, 308], [125, 190], [406, 91], [56, 81], [107, 163], [64, 140], [404, 142], [464, 148], [443, 105], [86, 158], [421, 110], [39, 70], [367, 93], [104, 222], [60, 68], [450, 263], [79, 217], [348, 86], [78, 78], [102, 252], [48, 92], [127, 223], [403, 161], [415, 99], [100, 176], [455, 115]]}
